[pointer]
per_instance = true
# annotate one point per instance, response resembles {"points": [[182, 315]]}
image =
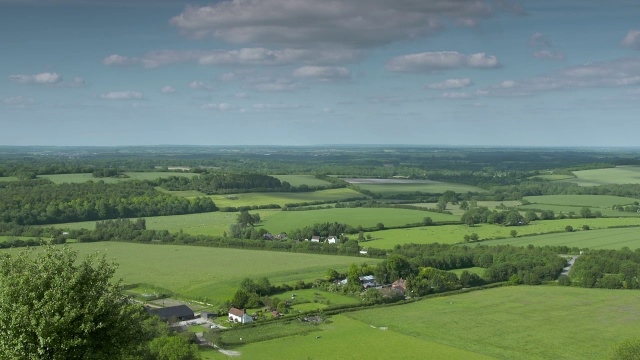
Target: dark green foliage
{"points": [[223, 183], [626, 350]]}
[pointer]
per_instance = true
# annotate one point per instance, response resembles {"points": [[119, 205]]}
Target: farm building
{"points": [[241, 316], [180, 312], [206, 315], [315, 239], [332, 240], [400, 285]]}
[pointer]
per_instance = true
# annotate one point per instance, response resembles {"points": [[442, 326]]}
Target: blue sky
{"points": [[306, 72]]}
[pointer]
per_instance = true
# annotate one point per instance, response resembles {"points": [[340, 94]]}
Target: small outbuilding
{"points": [[180, 312]]}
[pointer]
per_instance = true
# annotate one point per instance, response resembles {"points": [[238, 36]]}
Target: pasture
{"points": [[450, 234], [522, 322], [552, 177], [390, 187], [568, 209], [593, 201], [617, 175], [365, 217], [592, 239], [455, 209], [282, 198], [79, 178], [210, 274], [8, 178], [297, 180], [345, 338]]}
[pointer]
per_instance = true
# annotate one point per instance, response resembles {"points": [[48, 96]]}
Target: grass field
{"points": [[617, 175], [8, 178], [282, 198], [552, 177], [594, 201], [5, 238], [450, 234], [184, 193], [455, 209], [541, 322], [566, 209], [78, 178], [297, 180], [211, 273], [592, 239], [346, 338], [366, 217], [389, 187]]}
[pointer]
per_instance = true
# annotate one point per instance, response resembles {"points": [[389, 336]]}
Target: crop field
{"points": [[346, 338], [282, 198], [592, 239], [617, 175], [8, 178], [594, 201], [213, 274], [553, 177], [455, 209], [79, 178], [365, 217], [183, 193], [523, 322], [297, 180], [396, 186], [567, 209], [450, 234]]}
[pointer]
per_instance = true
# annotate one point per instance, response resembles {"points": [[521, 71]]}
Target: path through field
{"points": [[572, 259]]}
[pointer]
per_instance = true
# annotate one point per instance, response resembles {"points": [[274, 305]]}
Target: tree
{"points": [[585, 212], [173, 348], [56, 306], [514, 233], [427, 221], [626, 350], [380, 226], [568, 228]]}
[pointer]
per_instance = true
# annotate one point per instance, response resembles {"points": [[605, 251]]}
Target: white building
{"points": [[241, 316]]}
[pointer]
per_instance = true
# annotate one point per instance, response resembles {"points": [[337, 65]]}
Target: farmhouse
{"points": [[180, 312], [400, 285], [239, 316], [332, 240], [315, 239]]}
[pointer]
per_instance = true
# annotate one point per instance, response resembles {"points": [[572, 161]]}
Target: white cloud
{"points": [[615, 73], [451, 84], [167, 89], [18, 101], [350, 23], [441, 60], [539, 40], [456, 95], [199, 85], [122, 95], [323, 73], [632, 39], [118, 60], [277, 106], [39, 79], [220, 106], [546, 54], [276, 86]]}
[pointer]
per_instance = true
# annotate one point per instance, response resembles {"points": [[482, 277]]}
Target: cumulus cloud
{"points": [[451, 84], [323, 73], [546, 54], [122, 95], [632, 39], [276, 106], [38, 79], [199, 85], [456, 95], [441, 60], [167, 89], [18, 101], [279, 85], [350, 23], [219, 107], [539, 40], [615, 73]]}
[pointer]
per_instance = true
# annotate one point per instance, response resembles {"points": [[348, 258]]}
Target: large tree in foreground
{"points": [[56, 306]]}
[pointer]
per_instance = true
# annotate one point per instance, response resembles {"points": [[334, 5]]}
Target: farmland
{"points": [[298, 180], [617, 175], [210, 273], [77, 178], [389, 187], [596, 201], [283, 198]]}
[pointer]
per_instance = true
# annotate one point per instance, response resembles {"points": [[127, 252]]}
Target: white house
{"points": [[315, 239], [332, 240], [241, 316]]}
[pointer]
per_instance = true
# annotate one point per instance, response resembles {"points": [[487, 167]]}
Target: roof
{"points": [[236, 312], [173, 311]]}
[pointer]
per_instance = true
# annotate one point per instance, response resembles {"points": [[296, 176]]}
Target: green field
{"points": [[390, 187], [5, 238], [617, 175], [365, 217], [524, 322], [78, 178], [455, 209], [552, 177], [213, 274], [450, 234], [345, 338], [595, 201], [567, 209], [314, 299], [297, 180], [474, 270], [183, 193], [592, 239], [282, 198], [8, 178]]}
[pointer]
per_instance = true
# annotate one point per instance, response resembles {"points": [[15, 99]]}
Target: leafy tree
{"points": [[564, 280], [568, 228], [514, 233], [464, 205], [380, 226], [626, 350], [427, 221], [585, 212], [56, 306], [585, 227], [531, 215], [372, 296], [173, 348]]}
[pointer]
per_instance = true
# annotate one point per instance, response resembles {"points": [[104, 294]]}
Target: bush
{"points": [[568, 228]]}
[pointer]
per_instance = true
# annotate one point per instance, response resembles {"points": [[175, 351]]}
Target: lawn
{"points": [[617, 175], [282, 198], [78, 178], [213, 274], [595, 201], [314, 299], [593, 239], [297, 180], [450, 234], [344, 338], [389, 187], [524, 322], [365, 217]]}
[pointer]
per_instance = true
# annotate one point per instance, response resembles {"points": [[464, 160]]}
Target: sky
{"points": [[309, 72]]}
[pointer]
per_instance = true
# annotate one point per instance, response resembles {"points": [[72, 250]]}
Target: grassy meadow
{"points": [[593, 201], [79, 178], [213, 274], [617, 175], [390, 187], [455, 209], [450, 234], [282, 198], [523, 322], [297, 180]]}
